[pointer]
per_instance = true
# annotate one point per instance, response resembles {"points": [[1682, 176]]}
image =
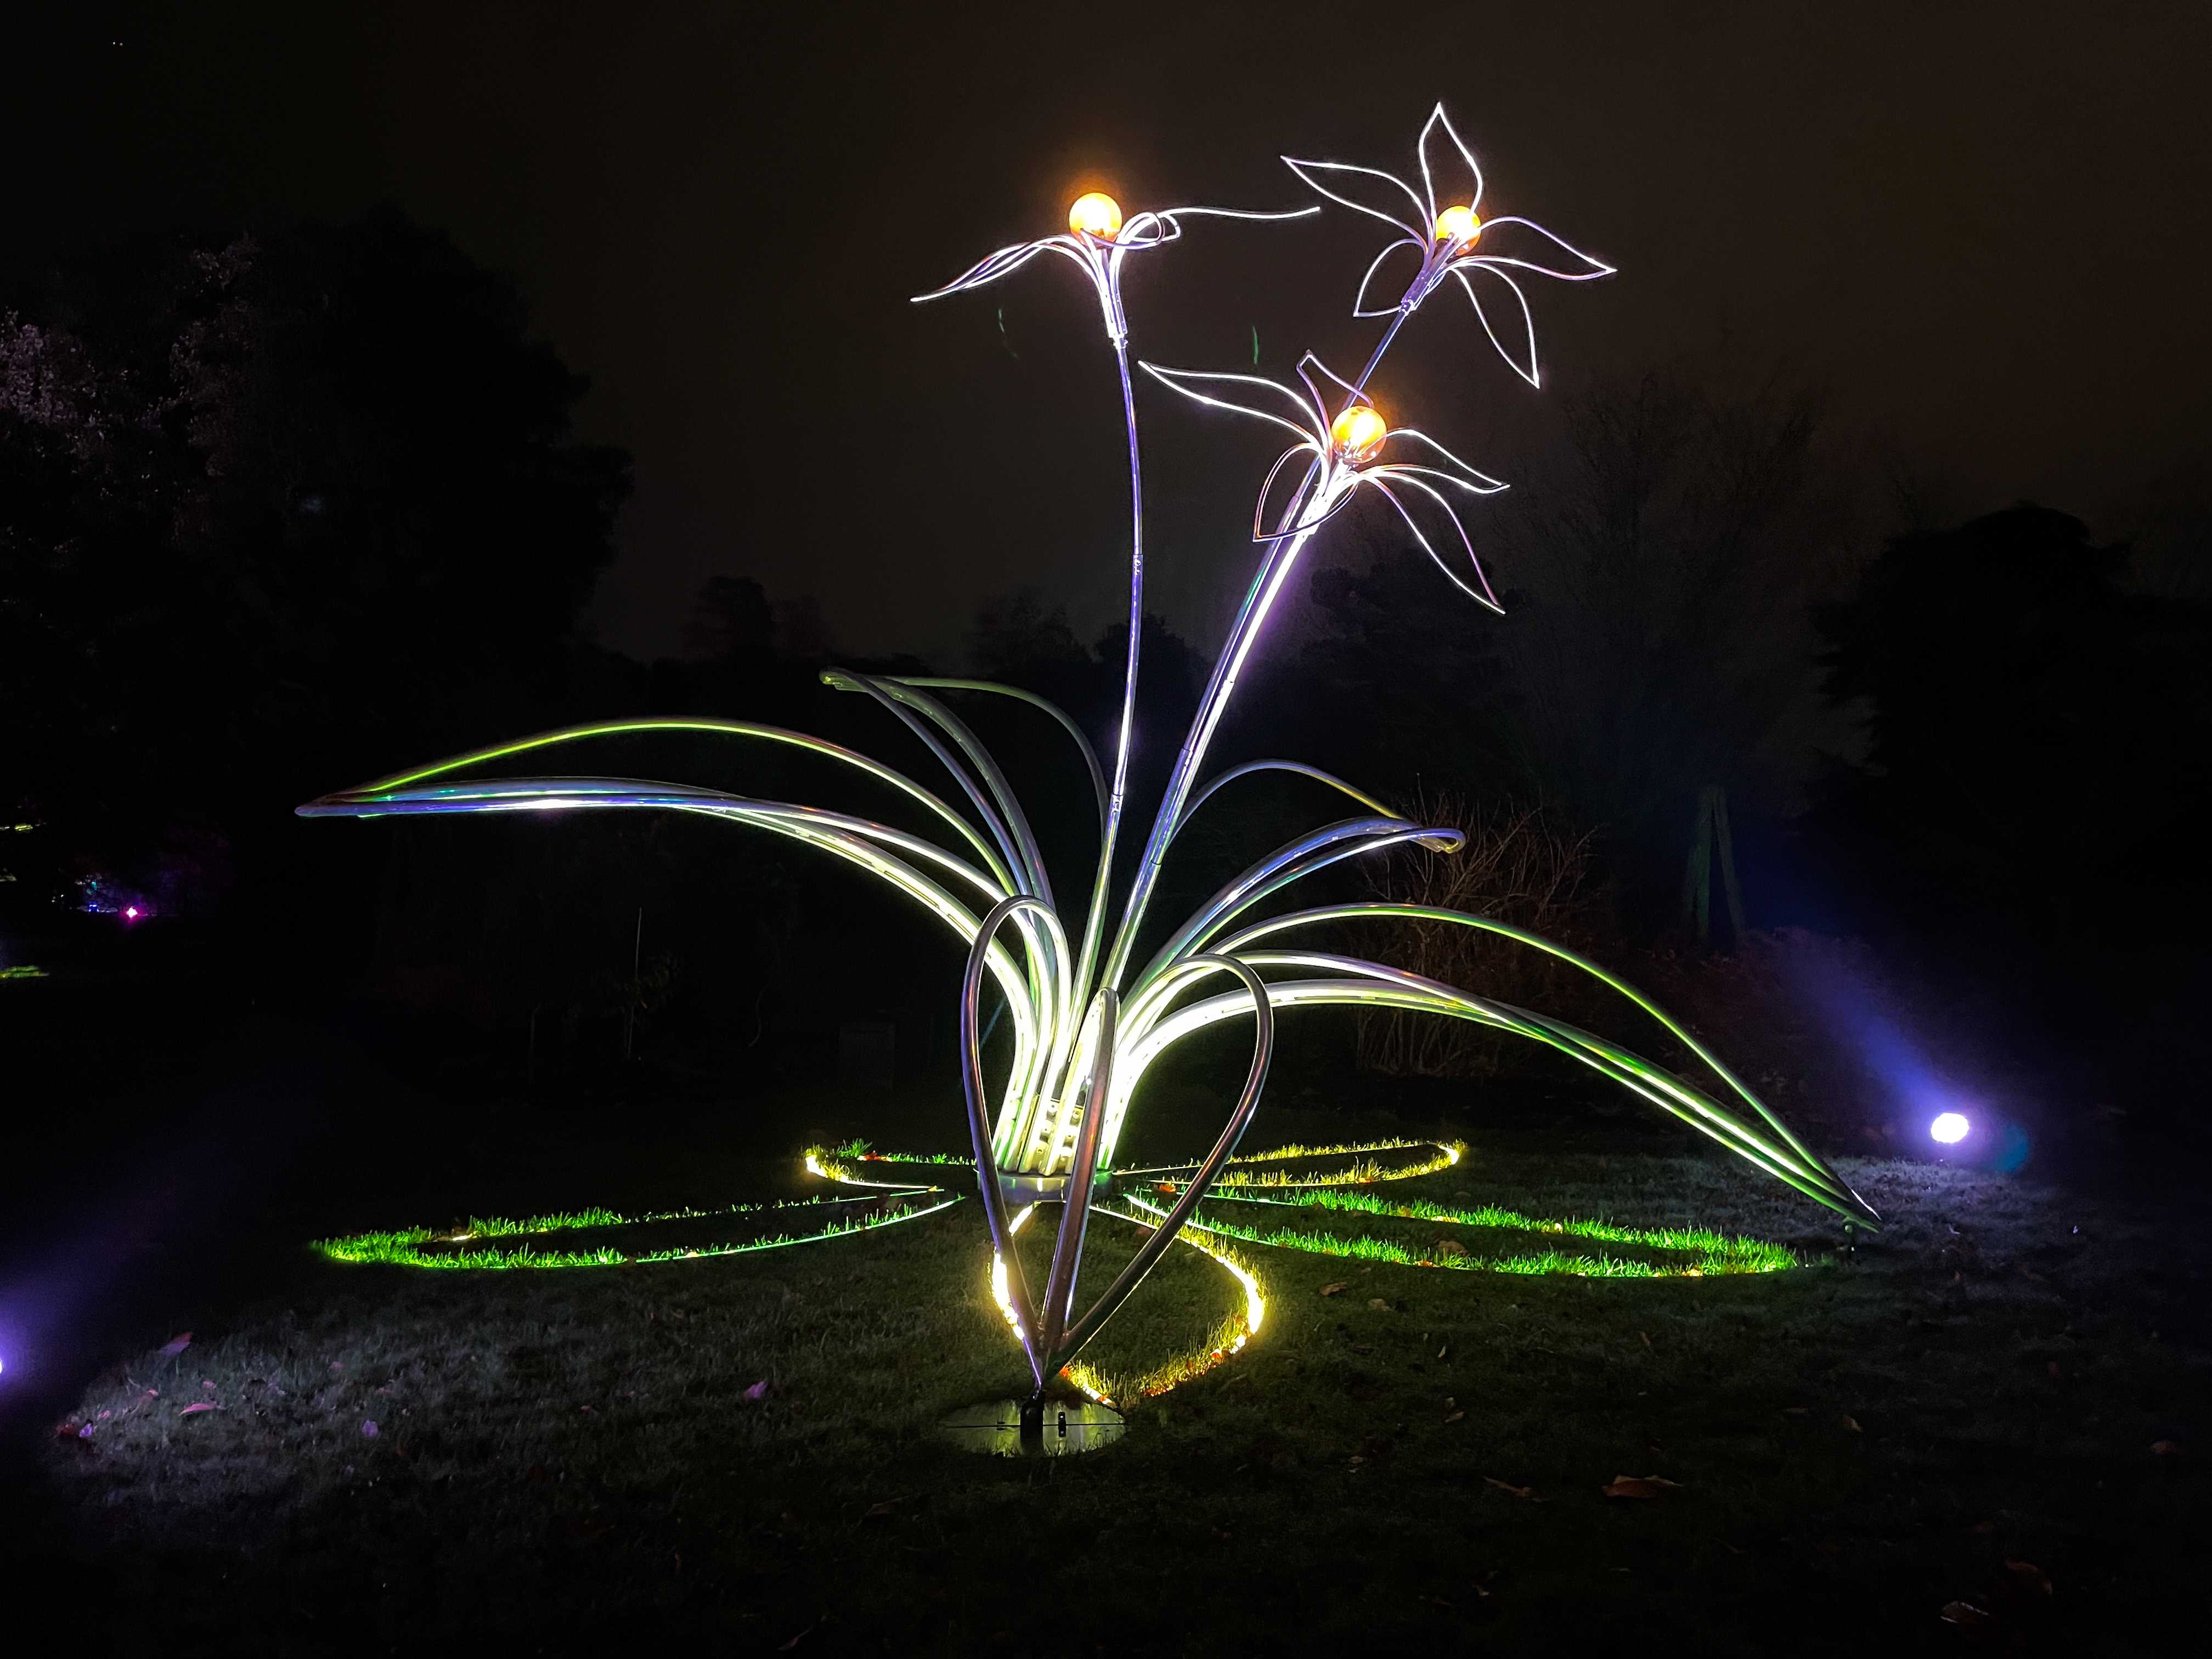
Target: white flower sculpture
{"points": [[1444, 229], [1355, 446], [1088, 1021]]}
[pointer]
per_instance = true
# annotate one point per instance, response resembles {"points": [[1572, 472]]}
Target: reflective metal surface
{"points": [[1057, 1428]]}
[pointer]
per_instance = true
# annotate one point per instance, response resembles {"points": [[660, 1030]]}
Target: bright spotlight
{"points": [[1949, 1128]]}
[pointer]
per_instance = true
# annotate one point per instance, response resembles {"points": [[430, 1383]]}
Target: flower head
{"points": [[1356, 446], [1444, 229], [1098, 239]]}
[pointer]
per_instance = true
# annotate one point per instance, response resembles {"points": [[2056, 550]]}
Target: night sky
{"points": [[1979, 229]]}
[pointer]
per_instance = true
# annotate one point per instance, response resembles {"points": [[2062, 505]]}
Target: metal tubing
{"points": [[1068, 1250], [1263, 1047]]}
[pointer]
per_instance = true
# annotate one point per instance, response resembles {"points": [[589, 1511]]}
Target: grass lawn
{"points": [[1997, 1404]]}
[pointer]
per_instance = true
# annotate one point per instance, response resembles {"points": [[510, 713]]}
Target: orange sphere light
{"points": [[1458, 224], [1358, 433], [1094, 214]]}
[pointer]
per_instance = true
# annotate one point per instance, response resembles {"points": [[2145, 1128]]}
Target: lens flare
{"points": [[1949, 1128], [1458, 224], [1094, 214], [1358, 433]]}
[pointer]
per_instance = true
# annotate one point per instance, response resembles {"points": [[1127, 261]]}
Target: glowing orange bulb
{"points": [[1358, 433], [1458, 224], [1094, 214]]}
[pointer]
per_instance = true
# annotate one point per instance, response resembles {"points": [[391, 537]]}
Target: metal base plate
{"points": [[1021, 1428]]}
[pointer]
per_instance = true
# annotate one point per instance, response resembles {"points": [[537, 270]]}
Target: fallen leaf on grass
{"points": [[1444, 1352], [2028, 1577], [1378, 1303], [889, 1506], [758, 1392], [1852, 1424], [1633, 1486], [1332, 1290], [1454, 1417], [786, 1647], [176, 1345], [198, 1406], [2165, 1448], [1965, 1615], [1511, 1490]]}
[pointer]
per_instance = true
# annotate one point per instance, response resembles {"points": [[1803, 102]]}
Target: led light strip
{"points": [[404, 1248], [1717, 1255]]}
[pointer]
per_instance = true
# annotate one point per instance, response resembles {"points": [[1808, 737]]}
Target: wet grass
{"points": [[1963, 1412]]}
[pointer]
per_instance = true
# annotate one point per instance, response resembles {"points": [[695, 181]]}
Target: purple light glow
{"points": [[1949, 1128]]}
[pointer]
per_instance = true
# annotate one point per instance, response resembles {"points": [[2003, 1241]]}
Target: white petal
{"points": [[1482, 595], [1360, 306], [1514, 331], [1172, 214], [1454, 470], [1449, 169], [1527, 246], [1370, 182], [992, 266], [1247, 394], [1353, 394]]}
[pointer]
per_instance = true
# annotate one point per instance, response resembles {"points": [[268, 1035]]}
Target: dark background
{"points": [[1970, 226]]}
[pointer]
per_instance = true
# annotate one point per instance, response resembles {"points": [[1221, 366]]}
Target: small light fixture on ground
{"points": [[1949, 1128]]}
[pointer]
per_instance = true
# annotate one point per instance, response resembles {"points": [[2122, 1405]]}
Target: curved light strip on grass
{"points": [[1361, 1174], [404, 1248], [1182, 1368], [1716, 1254]]}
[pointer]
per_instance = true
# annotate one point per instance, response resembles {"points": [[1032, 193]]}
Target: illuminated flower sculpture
{"points": [[1448, 236], [1088, 1019]]}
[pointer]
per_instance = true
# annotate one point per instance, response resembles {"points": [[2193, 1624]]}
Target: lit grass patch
{"points": [[427, 1247], [1707, 1253], [1367, 1169]]}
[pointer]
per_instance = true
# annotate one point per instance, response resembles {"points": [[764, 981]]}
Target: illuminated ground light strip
{"points": [[1197, 1362], [1716, 1254], [1168, 1374], [405, 1248], [1366, 1172], [1082, 1015]]}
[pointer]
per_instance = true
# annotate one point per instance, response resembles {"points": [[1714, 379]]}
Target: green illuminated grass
{"points": [[1712, 1252], [566, 1460], [406, 1248]]}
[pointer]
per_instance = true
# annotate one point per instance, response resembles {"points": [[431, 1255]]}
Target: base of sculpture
{"points": [[1048, 1189], [1033, 1428]]}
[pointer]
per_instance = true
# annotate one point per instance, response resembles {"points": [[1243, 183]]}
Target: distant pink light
{"points": [[130, 912]]}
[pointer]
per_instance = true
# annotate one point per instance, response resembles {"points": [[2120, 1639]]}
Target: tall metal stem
{"points": [[1283, 552], [1094, 927]]}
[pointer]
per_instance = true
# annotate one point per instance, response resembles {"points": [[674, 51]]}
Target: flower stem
{"points": [[1283, 551]]}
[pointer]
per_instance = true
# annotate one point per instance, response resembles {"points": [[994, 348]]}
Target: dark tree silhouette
{"points": [[2039, 739], [275, 510]]}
